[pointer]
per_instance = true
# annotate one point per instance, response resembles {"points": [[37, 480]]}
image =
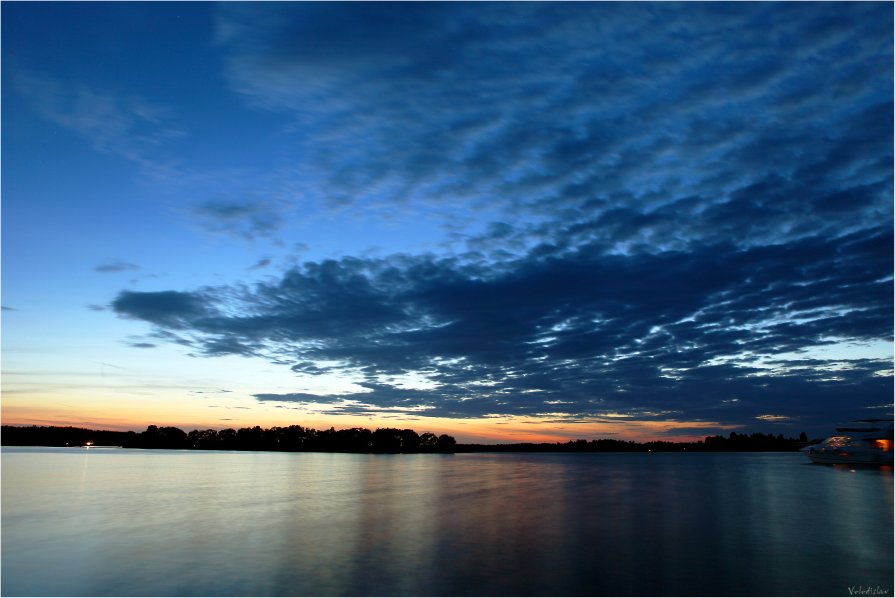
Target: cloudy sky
{"points": [[505, 221]]}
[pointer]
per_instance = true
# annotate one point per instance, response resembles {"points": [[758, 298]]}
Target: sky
{"points": [[502, 221]]}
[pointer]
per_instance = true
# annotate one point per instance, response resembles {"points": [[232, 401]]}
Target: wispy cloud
{"points": [[142, 345], [113, 123], [260, 264], [768, 417], [116, 266], [244, 218], [561, 124]]}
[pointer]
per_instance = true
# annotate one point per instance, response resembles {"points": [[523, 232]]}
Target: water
{"points": [[128, 522]]}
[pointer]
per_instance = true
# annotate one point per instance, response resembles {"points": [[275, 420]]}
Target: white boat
{"points": [[862, 442]]}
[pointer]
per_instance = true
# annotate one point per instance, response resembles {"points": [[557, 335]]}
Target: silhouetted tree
{"points": [[203, 439], [410, 441], [386, 440], [355, 440], [227, 439], [446, 443]]}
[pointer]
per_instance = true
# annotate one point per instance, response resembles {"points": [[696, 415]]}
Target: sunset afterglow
{"points": [[508, 222]]}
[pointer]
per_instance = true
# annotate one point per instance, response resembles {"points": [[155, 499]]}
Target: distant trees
{"points": [[62, 436], [735, 442], [165, 437], [361, 440], [294, 438], [447, 443], [754, 442]]}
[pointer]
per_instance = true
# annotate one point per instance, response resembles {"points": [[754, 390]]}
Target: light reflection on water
{"points": [[121, 522]]}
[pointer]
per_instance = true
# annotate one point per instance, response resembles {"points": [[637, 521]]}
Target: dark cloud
{"points": [[296, 397], [142, 345], [170, 309], [116, 266], [580, 333], [260, 264], [243, 218], [7, 308]]}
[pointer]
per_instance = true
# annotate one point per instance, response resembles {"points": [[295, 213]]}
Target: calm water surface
{"points": [[128, 522]]}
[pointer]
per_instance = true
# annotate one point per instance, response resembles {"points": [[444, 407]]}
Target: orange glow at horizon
{"points": [[485, 430]]}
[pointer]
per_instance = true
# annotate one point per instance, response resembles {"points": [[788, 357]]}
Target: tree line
{"points": [[734, 442], [361, 440], [289, 438]]}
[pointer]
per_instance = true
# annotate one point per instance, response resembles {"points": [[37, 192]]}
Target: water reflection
{"points": [[218, 523]]}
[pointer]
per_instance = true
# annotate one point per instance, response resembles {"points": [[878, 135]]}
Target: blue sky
{"points": [[502, 220]]}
